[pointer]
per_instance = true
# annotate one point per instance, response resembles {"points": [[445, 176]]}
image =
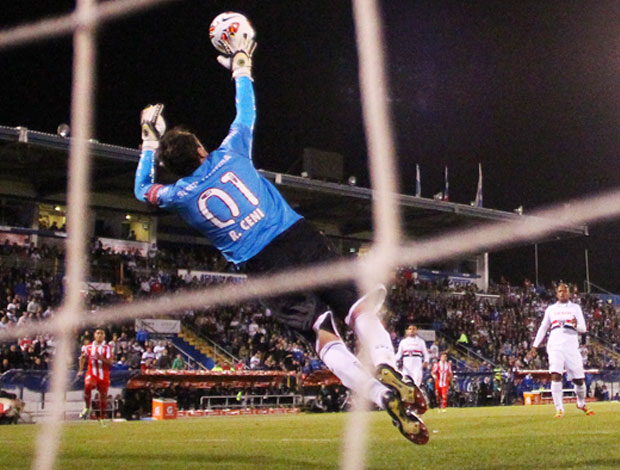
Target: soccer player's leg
{"points": [[442, 398], [438, 396], [354, 376], [362, 317], [416, 375], [408, 423], [556, 369], [409, 392], [575, 371], [580, 391], [336, 356], [307, 314], [301, 312], [90, 383], [102, 387]]}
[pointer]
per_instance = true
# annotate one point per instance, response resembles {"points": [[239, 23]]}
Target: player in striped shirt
{"points": [[564, 321], [413, 354], [98, 358], [414, 357], [442, 373]]}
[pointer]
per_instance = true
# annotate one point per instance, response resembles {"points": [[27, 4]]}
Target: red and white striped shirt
{"points": [[442, 372], [96, 367]]}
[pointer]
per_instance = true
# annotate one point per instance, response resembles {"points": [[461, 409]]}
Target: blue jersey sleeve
{"points": [[240, 135], [145, 175], [145, 188]]}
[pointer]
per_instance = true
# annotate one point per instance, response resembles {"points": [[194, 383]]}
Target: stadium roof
{"points": [[40, 159]]}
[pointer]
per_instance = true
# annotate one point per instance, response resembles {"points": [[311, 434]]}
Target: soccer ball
{"points": [[229, 28]]}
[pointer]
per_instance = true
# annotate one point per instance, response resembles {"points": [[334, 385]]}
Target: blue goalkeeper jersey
{"points": [[226, 199]]}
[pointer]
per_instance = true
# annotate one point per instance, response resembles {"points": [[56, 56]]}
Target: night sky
{"points": [[529, 89]]}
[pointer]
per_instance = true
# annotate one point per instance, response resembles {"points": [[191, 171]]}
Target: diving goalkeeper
{"points": [[223, 196]]}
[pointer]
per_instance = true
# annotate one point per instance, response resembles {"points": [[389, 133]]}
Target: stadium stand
{"points": [[487, 335], [486, 327]]}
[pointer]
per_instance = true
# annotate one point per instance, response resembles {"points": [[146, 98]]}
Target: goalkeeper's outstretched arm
{"points": [[145, 175], [153, 127], [245, 103], [241, 131]]}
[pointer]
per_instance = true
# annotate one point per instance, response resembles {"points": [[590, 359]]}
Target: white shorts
{"points": [[568, 360], [415, 372]]}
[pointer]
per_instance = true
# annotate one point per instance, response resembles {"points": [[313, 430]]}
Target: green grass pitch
{"points": [[518, 437]]}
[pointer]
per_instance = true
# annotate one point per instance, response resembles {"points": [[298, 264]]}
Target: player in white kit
{"points": [[414, 355], [564, 320], [412, 350]]}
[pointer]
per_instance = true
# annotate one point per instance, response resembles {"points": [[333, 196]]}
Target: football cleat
{"points": [[585, 409], [410, 394], [559, 414], [103, 423], [85, 414], [407, 422]]}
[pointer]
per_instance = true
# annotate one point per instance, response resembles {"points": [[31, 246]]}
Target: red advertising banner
{"points": [[206, 379]]}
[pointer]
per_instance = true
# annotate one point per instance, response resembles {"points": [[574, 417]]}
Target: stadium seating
{"points": [[192, 351], [499, 325]]}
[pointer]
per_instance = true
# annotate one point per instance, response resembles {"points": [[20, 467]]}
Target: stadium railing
{"points": [[52, 265], [32, 387], [193, 356], [250, 401], [469, 354], [219, 353], [612, 349], [190, 361]]}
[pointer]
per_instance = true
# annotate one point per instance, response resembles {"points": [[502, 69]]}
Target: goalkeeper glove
{"points": [[240, 60], [153, 126]]}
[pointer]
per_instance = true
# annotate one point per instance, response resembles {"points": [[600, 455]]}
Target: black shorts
{"points": [[302, 245]]}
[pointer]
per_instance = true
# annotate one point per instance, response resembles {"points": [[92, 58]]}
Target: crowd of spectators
{"points": [[26, 298], [250, 334], [497, 326]]}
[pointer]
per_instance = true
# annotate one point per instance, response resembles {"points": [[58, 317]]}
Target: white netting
{"points": [[387, 251]]}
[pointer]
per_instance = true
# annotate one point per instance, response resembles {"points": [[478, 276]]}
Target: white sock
{"points": [[580, 391], [351, 373], [556, 393], [373, 336]]}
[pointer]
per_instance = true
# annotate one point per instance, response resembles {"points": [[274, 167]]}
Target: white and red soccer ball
{"points": [[228, 28]]}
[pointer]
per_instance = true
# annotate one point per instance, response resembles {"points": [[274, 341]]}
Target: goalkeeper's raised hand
{"points": [[153, 126], [240, 59]]}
